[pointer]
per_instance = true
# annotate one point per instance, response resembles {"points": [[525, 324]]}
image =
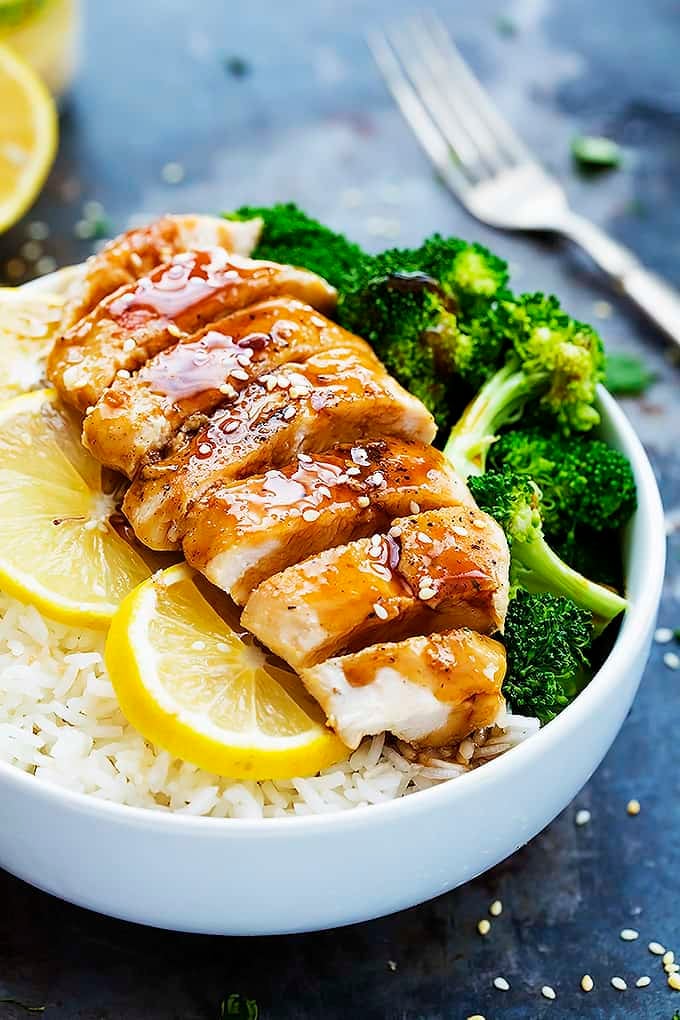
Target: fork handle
{"points": [[653, 295]]}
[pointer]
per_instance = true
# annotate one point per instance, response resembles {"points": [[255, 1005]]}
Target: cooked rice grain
{"points": [[59, 720]]}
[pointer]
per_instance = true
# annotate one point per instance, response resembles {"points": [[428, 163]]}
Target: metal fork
{"points": [[487, 166]]}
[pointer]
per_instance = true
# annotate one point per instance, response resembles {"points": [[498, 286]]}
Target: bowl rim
{"points": [[633, 633]]}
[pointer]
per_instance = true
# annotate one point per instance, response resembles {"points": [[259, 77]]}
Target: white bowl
{"points": [[255, 877]]}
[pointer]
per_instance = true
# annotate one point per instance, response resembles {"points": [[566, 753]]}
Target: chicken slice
{"points": [[138, 416], [433, 571], [137, 252], [334, 397], [242, 533], [139, 320], [429, 691]]}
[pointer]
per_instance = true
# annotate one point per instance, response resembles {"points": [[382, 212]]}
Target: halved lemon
{"points": [[193, 686], [28, 136], [58, 547], [28, 326]]}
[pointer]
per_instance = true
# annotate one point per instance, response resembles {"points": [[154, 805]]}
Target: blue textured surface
{"points": [[310, 120]]}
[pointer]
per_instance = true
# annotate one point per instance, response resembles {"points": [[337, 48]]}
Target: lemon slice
{"points": [[58, 548], [193, 686], [28, 326], [28, 136]]}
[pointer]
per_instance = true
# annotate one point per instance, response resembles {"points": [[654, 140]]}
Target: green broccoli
{"points": [[550, 358], [292, 237], [584, 483], [515, 502], [426, 312], [547, 639]]}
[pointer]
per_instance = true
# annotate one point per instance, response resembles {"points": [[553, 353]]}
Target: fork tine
{"points": [[424, 128], [472, 143], [477, 96]]}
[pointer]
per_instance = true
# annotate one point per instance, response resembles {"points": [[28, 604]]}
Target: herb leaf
{"points": [[626, 375], [595, 151]]}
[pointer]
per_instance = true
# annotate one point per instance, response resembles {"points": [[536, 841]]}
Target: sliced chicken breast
{"points": [[433, 571], [429, 691], [242, 533], [137, 252], [137, 321], [334, 397], [138, 416]]}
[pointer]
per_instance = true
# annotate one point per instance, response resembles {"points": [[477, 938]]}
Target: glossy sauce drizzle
{"points": [[190, 369], [173, 290]]}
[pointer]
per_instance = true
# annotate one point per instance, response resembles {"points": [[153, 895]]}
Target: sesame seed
{"points": [[424, 538], [395, 532], [376, 479], [479, 523], [129, 345], [672, 660], [643, 981], [668, 957], [547, 992], [457, 530], [633, 807], [587, 983], [484, 926], [205, 448], [270, 383], [426, 593], [283, 382], [123, 373], [674, 982], [662, 635], [136, 259], [619, 984], [629, 934], [172, 173], [310, 515], [37, 231], [46, 264], [382, 571], [353, 471], [89, 409], [304, 458], [228, 390], [582, 817], [238, 373], [376, 540], [496, 908], [363, 502], [174, 330], [298, 391], [380, 611], [501, 984], [31, 250], [671, 968], [289, 413], [414, 507], [656, 948]]}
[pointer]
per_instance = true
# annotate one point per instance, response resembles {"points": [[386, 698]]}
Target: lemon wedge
{"points": [[28, 136], [58, 548], [28, 326], [191, 685]]}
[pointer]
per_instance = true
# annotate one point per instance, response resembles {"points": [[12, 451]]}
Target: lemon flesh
{"points": [[59, 550], [28, 327], [28, 136], [193, 686]]}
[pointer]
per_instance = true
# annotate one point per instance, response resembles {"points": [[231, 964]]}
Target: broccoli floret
{"points": [[515, 502], [547, 639], [584, 483], [550, 358], [292, 237], [425, 311]]}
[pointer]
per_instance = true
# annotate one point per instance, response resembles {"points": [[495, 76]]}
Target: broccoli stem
{"points": [[497, 402], [538, 569]]}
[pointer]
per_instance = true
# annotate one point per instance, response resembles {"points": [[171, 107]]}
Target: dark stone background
{"points": [[310, 120]]}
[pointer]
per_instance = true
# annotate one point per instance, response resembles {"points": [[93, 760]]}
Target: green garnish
{"points": [[596, 152], [626, 375]]}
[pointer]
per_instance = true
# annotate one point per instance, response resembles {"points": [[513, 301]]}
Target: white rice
{"points": [[60, 721]]}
